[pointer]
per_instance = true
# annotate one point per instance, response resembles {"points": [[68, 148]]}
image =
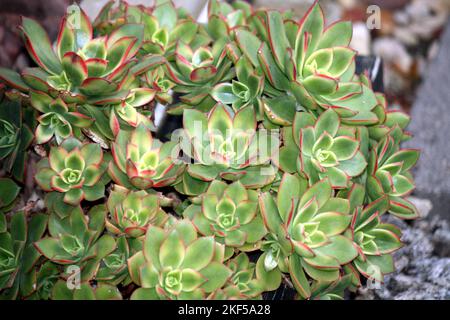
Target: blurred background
{"points": [[412, 37]]}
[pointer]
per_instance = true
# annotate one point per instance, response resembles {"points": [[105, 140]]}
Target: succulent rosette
{"points": [[47, 275], [176, 264], [74, 169], [325, 149], [18, 256], [224, 18], [389, 174], [307, 226], [113, 268], [77, 240], [15, 137], [58, 119], [80, 68], [195, 71], [227, 144], [157, 81], [376, 240], [142, 162], [163, 24], [231, 214], [244, 278], [132, 212], [124, 114], [244, 91], [312, 64]]}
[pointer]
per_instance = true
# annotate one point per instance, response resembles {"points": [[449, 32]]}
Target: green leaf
{"points": [[386, 240], [216, 274], [9, 191], [327, 122], [320, 84], [39, 46], [73, 196], [402, 208], [344, 147], [338, 178], [249, 44], [172, 251], [408, 157], [191, 280], [280, 110], [97, 86], [288, 196], [271, 280], [338, 34], [199, 253], [223, 93], [332, 223], [342, 60], [311, 26], [341, 248], [298, 277], [97, 191], [277, 36], [13, 79], [220, 121], [195, 123], [321, 191], [75, 68]]}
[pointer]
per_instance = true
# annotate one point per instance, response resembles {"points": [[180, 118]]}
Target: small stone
{"points": [[393, 52], [424, 206]]}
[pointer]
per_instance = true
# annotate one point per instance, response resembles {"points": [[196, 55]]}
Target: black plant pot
{"points": [[370, 64]]}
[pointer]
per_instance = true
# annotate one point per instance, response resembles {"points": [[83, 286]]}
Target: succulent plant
{"points": [[389, 169], [244, 277], [164, 24], [113, 268], [77, 240], [15, 138], [307, 226], [157, 82], [307, 66], [244, 91], [81, 68], [273, 167], [47, 275], [227, 144], [195, 71], [325, 149], [224, 18], [58, 119], [132, 212], [18, 256], [143, 162], [74, 169], [230, 213], [177, 264], [375, 240]]}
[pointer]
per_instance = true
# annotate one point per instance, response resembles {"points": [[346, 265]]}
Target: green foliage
{"points": [[280, 175]]}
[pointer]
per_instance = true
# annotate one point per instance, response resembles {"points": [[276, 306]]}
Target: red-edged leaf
{"points": [[75, 68], [39, 46]]}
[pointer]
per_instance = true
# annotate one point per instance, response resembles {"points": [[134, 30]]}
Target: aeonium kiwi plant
{"points": [[281, 174]]}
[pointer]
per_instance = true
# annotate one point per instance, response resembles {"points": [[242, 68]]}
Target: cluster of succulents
{"points": [[282, 171]]}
